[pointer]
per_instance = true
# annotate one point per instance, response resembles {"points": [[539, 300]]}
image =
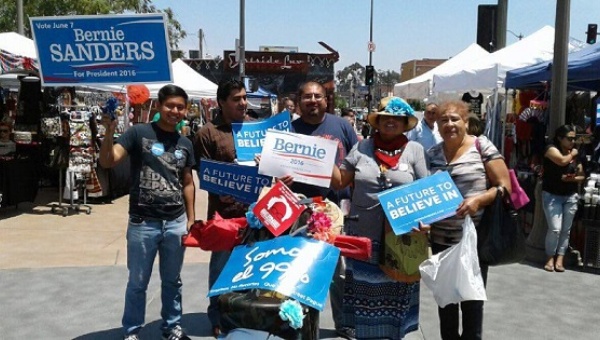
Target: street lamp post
{"points": [[242, 47], [369, 101], [20, 28]]}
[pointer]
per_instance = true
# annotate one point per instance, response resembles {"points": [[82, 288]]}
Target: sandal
{"points": [[559, 269], [550, 268]]}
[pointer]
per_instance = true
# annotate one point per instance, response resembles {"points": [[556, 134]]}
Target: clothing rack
{"points": [[70, 180]]}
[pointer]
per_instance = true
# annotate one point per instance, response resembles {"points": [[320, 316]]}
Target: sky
{"points": [[403, 30]]}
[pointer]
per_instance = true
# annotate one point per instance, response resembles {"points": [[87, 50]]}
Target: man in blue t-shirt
{"points": [[315, 121], [161, 208]]}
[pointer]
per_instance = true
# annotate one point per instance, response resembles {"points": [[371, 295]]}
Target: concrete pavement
{"points": [[64, 278]]}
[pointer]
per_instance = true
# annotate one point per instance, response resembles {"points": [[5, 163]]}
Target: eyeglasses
{"points": [[570, 139], [5, 131], [309, 96]]}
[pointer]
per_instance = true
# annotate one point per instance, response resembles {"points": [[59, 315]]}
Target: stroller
{"points": [[255, 313]]}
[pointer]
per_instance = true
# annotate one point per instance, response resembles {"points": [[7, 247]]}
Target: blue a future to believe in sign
{"points": [[242, 182], [249, 137], [429, 199], [297, 267], [109, 49]]}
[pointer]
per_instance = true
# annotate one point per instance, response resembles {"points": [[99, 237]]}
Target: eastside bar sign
{"points": [[102, 49]]}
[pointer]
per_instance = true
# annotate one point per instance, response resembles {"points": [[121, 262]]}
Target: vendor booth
{"points": [[583, 75], [19, 166], [194, 84], [487, 75], [420, 87], [262, 102]]}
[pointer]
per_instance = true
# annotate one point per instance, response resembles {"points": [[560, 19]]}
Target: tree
{"points": [[36, 8], [351, 77]]}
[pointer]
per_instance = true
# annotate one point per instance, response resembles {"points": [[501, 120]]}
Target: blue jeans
{"points": [[559, 211], [144, 239]]}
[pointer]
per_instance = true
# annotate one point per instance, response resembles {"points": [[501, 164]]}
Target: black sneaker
{"points": [[346, 333], [176, 333]]}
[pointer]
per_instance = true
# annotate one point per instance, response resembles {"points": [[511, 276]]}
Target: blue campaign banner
{"points": [[242, 182], [102, 49], [297, 267], [429, 199], [249, 137]]}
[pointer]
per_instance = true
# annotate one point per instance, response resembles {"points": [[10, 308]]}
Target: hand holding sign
{"points": [[427, 200]]}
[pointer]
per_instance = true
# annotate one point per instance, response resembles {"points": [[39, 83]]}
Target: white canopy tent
{"points": [[420, 86], [487, 73], [17, 44], [14, 50], [184, 76]]}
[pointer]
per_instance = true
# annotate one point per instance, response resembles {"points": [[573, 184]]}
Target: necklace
{"points": [[390, 153]]}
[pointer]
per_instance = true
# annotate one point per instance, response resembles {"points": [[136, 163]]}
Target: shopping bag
{"points": [[453, 275], [501, 238], [401, 255], [518, 196]]}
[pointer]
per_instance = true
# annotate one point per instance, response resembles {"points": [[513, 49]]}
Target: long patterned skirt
{"points": [[376, 306]]}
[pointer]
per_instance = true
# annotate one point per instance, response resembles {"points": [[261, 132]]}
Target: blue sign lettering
{"points": [[429, 199], [298, 267], [249, 137], [242, 182], [113, 49]]}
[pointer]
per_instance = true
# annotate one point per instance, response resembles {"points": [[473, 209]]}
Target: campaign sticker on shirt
{"points": [[403, 167], [178, 154], [158, 149]]}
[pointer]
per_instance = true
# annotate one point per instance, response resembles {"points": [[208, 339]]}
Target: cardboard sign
{"points": [[298, 267], [429, 199], [242, 182], [109, 49], [278, 209], [249, 137], [308, 159]]}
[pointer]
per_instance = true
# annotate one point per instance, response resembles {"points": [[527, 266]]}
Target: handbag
{"points": [[518, 196], [401, 255], [501, 239], [454, 275]]}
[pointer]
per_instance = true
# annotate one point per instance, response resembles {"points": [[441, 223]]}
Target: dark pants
{"points": [[472, 311]]}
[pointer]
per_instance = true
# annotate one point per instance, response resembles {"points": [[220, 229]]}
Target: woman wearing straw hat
{"points": [[373, 165]]}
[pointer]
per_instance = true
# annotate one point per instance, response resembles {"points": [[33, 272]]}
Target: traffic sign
{"points": [[371, 46]]}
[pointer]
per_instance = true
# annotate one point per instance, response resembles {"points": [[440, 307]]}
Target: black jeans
{"points": [[472, 311]]}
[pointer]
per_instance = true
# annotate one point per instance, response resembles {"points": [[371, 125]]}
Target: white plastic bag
{"points": [[453, 275]]}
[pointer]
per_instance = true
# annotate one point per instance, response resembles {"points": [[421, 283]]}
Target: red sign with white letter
{"points": [[278, 209]]}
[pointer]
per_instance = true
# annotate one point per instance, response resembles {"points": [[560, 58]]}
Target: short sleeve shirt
{"points": [[158, 158]]}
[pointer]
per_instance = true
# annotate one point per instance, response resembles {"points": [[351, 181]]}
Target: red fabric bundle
{"points": [[358, 248], [217, 234]]}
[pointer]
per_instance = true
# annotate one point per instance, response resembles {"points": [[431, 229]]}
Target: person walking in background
{"points": [[386, 160], [288, 104], [426, 132], [562, 175], [350, 116], [161, 208], [474, 125], [479, 171], [215, 141], [314, 121]]}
